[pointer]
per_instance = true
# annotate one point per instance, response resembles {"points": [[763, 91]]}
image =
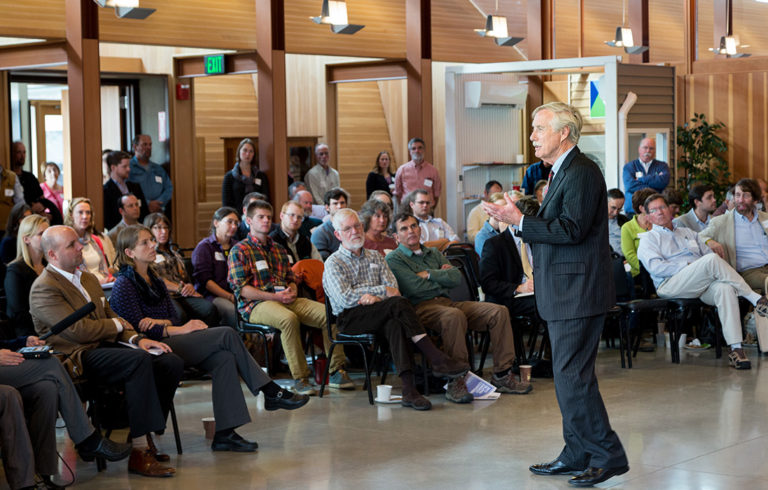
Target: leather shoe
{"points": [[416, 401], [159, 457], [593, 476], [144, 463], [233, 442], [107, 449], [285, 400], [555, 467]]}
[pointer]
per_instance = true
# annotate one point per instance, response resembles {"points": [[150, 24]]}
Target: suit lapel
{"points": [[559, 177]]}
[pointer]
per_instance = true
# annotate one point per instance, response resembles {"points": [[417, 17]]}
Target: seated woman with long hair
{"points": [[8, 244], [141, 298], [209, 261], [98, 252], [22, 272], [376, 217], [169, 266]]}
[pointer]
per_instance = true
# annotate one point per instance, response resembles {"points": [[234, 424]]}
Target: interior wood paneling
{"points": [[394, 103], [566, 37], [666, 31]]}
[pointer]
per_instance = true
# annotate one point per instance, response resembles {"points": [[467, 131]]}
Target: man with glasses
{"points": [[682, 266], [287, 235], [434, 231]]}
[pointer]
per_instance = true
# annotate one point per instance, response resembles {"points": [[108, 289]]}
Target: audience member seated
{"points": [[314, 210], [209, 262], [245, 177], [376, 217], [12, 193], [117, 184], [682, 266], [8, 243], [382, 177], [169, 267], [323, 237], [287, 234], [615, 219], [763, 204], [98, 250], [91, 348], [644, 172], [154, 181], [492, 226], [23, 271], [740, 236], [310, 222], [506, 267], [533, 175], [384, 197], [703, 204], [477, 218], [32, 393], [364, 297], [51, 188], [243, 229], [426, 277], [631, 230], [104, 166], [141, 298], [260, 275], [434, 231], [539, 190], [417, 173], [130, 210], [675, 200], [728, 203], [322, 177]]}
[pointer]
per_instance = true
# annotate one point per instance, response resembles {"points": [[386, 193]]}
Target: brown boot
{"points": [[144, 463], [415, 400]]}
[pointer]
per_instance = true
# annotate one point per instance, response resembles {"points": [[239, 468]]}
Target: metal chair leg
{"points": [[175, 424], [327, 368]]}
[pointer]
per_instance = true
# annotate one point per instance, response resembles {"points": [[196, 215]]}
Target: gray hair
{"points": [[565, 116], [341, 215]]}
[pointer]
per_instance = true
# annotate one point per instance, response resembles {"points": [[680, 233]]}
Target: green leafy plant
{"points": [[700, 156]]}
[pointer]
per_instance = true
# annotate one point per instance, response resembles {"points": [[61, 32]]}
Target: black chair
{"points": [[243, 327], [468, 255], [360, 340]]}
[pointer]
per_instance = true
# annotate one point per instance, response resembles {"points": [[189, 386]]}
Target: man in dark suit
{"points": [[117, 186], [570, 258]]}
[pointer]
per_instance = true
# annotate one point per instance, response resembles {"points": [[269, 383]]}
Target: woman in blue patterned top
{"points": [[141, 298]]}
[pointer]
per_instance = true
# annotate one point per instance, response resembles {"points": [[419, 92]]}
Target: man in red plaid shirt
{"points": [[261, 278]]}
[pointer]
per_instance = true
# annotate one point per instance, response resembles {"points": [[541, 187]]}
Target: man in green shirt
{"points": [[425, 277]]}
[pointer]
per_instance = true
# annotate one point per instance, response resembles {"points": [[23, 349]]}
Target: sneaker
{"points": [[340, 379], [738, 359], [508, 384], [457, 391], [416, 401], [304, 387], [761, 308]]}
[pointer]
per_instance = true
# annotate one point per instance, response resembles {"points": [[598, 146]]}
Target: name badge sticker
{"points": [[219, 256], [765, 223], [428, 182], [9, 193], [374, 266], [257, 181], [262, 265], [158, 179], [638, 174], [290, 259]]}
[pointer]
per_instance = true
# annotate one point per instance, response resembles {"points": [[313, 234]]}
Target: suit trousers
{"points": [[150, 382], [288, 319], [14, 440], [715, 282], [220, 352], [757, 278], [589, 439], [452, 318], [46, 389], [394, 318], [193, 307]]}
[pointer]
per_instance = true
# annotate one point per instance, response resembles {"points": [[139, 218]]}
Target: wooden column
{"points": [[5, 121], [638, 20], [539, 32], [691, 35], [184, 163], [83, 177], [273, 129], [418, 25]]}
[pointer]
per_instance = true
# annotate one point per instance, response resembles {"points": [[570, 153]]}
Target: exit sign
{"points": [[214, 64]]}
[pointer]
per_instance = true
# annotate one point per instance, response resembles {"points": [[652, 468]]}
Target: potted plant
{"points": [[700, 157]]}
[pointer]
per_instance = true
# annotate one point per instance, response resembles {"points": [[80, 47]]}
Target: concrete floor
{"points": [[700, 424]]}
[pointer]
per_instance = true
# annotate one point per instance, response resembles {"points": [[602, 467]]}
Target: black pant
{"points": [[395, 318], [195, 308], [150, 382]]}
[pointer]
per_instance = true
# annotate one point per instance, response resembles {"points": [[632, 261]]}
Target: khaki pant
{"points": [[288, 319], [757, 278], [452, 319]]}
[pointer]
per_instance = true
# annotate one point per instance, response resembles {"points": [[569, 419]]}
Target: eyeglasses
{"points": [[657, 210], [357, 226]]}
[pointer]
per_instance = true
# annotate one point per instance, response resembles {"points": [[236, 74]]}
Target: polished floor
{"points": [[696, 425]]}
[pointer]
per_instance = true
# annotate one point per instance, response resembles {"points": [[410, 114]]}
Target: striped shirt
{"points": [[261, 265], [348, 277]]}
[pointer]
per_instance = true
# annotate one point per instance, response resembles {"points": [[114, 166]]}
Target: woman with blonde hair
{"points": [[98, 251], [22, 272]]}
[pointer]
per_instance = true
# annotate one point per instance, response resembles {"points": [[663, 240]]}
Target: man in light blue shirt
{"points": [[154, 181], [682, 266]]}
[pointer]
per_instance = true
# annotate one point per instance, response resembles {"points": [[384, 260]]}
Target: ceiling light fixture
{"points": [[624, 38], [126, 9], [334, 13], [496, 28], [729, 43]]}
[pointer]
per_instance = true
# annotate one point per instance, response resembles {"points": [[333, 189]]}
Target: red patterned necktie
{"points": [[546, 187]]}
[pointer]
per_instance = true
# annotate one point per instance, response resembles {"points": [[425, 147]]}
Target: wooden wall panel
{"points": [[394, 101], [666, 31], [566, 37], [362, 133]]}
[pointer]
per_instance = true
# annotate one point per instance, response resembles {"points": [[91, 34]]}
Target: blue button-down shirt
{"points": [[666, 252], [751, 242], [486, 232], [154, 182]]}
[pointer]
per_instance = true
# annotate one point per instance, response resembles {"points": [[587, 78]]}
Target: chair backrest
{"points": [[330, 318], [472, 260], [648, 289], [465, 291], [623, 280]]}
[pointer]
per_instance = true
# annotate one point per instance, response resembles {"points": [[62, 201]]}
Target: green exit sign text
{"points": [[214, 64]]}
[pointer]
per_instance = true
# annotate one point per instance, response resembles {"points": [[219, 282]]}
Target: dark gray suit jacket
{"points": [[569, 238]]}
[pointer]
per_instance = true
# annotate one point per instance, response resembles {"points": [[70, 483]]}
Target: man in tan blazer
{"points": [[740, 236], [92, 346]]}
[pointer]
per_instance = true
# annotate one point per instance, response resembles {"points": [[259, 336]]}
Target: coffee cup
{"points": [[525, 374], [383, 392], [209, 425]]}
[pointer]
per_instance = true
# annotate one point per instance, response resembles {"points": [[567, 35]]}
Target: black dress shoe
{"points": [[107, 449], [286, 400], [233, 442], [555, 467], [593, 476]]}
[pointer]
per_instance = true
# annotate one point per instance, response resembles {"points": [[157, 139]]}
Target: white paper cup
{"points": [[383, 392], [209, 425]]}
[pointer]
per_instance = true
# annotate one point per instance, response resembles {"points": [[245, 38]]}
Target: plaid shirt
{"points": [[348, 277], [170, 265], [261, 265]]}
